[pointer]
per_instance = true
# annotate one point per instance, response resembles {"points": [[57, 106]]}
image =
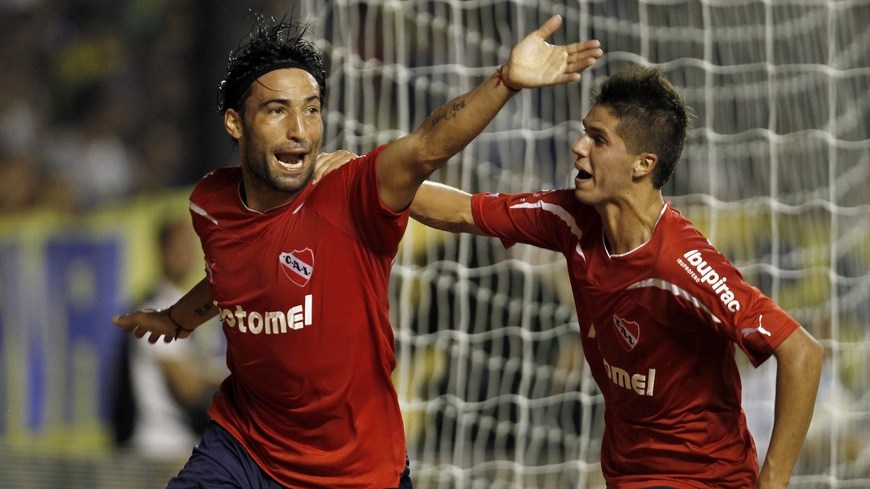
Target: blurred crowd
{"points": [[96, 100]]}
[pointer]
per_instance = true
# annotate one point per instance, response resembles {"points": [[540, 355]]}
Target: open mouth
{"points": [[583, 175], [290, 160]]}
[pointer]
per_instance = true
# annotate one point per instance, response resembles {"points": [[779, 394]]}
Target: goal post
{"points": [[491, 377]]}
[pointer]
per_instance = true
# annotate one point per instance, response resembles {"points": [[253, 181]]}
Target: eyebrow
{"points": [[284, 101], [587, 128]]}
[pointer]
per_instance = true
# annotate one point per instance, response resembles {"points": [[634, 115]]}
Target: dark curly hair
{"points": [[272, 44], [652, 116]]}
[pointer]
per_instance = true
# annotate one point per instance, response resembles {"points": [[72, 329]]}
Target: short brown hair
{"points": [[652, 116]]}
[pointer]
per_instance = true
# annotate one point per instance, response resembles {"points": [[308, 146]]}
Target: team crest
{"points": [[627, 331], [298, 265]]}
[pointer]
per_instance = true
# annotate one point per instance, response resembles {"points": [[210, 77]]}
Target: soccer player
{"points": [[660, 309], [298, 270]]}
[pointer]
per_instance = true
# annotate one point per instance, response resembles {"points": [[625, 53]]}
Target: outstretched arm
{"points": [[445, 208], [798, 369], [405, 164], [178, 321]]}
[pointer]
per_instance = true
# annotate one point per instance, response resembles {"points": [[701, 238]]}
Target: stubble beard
{"points": [[267, 172]]}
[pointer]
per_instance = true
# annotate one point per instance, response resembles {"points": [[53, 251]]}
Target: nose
{"points": [[295, 126], [581, 146]]}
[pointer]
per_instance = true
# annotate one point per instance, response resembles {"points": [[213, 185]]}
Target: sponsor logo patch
{"points": [[702, 272], [642, 385]]}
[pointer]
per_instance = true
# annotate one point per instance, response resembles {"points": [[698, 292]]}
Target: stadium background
{"points": [[107, 118]]}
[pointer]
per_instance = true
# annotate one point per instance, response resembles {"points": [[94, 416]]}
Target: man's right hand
{"points": [[536, 63], [326, 162], [150, 322]]}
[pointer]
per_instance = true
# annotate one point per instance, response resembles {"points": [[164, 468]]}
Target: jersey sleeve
{"points": [[549, 219], [738, 310], [376, 224]]}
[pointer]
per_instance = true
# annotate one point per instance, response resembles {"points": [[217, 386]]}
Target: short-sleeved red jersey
{"points": [[302, 292], [658, 325]]}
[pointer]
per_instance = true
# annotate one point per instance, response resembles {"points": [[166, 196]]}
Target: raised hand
{"points": [[536, 63], [155, 323]]}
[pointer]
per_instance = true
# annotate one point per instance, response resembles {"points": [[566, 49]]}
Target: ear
{"points": [[233, 123], [645, 164]]}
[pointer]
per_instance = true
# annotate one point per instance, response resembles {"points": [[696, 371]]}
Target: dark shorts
{"points": [[220, 462]]}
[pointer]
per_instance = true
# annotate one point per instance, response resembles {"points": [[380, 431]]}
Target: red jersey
{"points": [[302, 292], [658, 326]]}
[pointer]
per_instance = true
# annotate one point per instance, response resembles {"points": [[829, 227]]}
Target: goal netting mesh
{"points": [[491, 376]]}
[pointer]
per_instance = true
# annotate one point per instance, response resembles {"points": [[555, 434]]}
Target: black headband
{"points": [[232, 98]]}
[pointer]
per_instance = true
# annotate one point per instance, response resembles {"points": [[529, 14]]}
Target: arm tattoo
{"points": [[204, 310], [447, 112]]}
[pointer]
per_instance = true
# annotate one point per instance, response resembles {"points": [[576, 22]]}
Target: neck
{"points": [[630, 223], [261, 198]]}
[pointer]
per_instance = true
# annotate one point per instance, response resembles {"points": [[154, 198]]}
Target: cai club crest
{"points": [[627, 331], [298, 265]]}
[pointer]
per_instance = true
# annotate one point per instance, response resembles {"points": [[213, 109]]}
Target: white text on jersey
{"points": [[697, 265], [270, 322], [643, 385]]}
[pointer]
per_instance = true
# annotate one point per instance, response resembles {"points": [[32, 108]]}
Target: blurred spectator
{"points": [[18, 182], [170, 385], [92, 155], [161, 152]]}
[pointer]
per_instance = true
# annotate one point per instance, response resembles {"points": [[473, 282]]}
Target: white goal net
{"points": [[491, 376]]}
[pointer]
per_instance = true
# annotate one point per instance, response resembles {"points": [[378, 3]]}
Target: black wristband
{"points": [[178, 327]]}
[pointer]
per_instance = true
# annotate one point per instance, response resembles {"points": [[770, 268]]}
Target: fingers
{"points": [[584, 51], [549, 27], [326, 162], [583, 55], [142, 323], [591, 47], [182, 333], [155, 337], [125, 322]]}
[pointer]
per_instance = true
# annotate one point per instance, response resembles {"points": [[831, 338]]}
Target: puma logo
{"points": [[760, 329]]}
